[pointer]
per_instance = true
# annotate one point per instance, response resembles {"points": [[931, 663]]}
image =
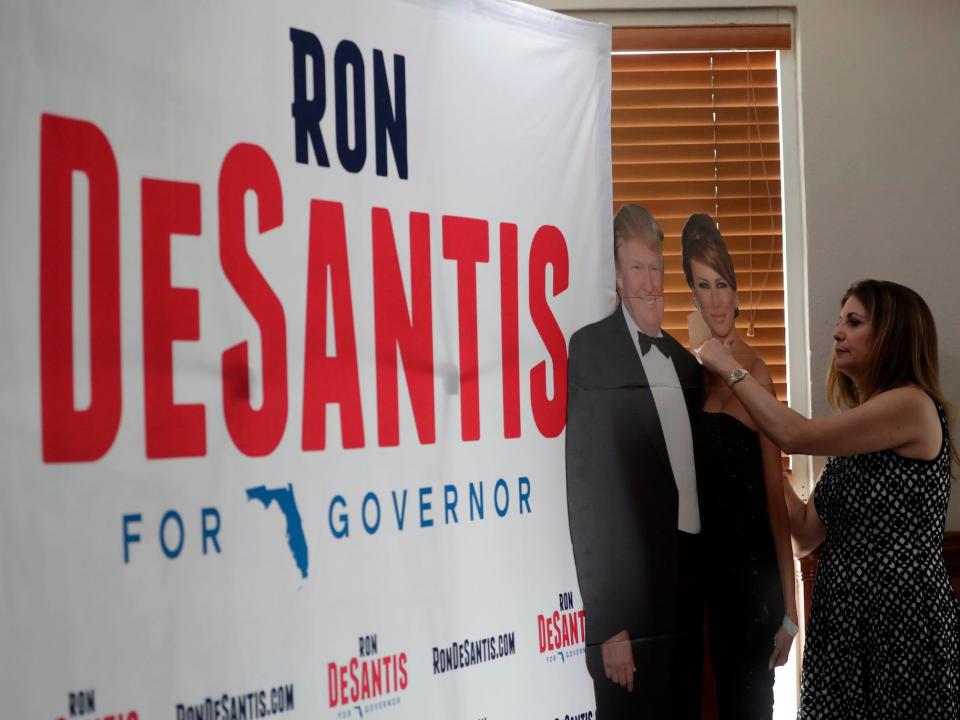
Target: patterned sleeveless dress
{"points": [[884, 636]]}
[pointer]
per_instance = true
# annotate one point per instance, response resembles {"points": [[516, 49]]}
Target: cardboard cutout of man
{"points": [[632, 493]]}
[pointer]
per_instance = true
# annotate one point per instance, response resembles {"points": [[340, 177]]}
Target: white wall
{"points": [[880, 120]]}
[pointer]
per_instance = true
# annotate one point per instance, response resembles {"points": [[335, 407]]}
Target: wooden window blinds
{"points": [[698, 131]]}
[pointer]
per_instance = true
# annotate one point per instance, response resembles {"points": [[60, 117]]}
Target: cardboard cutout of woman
{"points": [[751, 606]]}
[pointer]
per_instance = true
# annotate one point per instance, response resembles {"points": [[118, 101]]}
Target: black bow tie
{"points": [[646, 342]]}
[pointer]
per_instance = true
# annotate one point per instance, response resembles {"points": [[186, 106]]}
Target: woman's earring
{"points": [[736, 310], [696, 304]]}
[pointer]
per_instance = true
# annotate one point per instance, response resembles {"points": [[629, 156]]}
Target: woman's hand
{"points": [[782, 642], [717, 357]]}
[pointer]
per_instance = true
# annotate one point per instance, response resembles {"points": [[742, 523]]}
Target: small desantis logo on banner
{"points": [[367, 682], [83, 704], [562, 633]]}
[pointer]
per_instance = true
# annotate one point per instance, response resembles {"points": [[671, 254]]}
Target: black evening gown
{"points": [[744, 595]]}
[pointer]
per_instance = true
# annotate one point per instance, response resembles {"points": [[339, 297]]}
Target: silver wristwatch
{"points": [[736, 376]]}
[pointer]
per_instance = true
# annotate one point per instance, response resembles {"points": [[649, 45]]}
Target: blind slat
{"points": [[703, 193], [679, 61], [757, 170], [693, 152], [653, 117], [671, 214], [699, 134], [690, 80], [732, 97]]}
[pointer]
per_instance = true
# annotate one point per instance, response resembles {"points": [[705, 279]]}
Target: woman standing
{"points": [[884, 638], [751, 604]]}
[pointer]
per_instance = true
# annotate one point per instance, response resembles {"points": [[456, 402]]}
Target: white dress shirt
{"points": [[675, 421]]}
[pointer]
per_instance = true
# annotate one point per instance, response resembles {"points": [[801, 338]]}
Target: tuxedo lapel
{"points": [[633, 375]]}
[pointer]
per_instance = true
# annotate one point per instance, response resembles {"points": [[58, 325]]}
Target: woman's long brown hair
{"points": [[905, 348]]}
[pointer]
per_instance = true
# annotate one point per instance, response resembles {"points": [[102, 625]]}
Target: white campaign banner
{"points": [[286, 289]]}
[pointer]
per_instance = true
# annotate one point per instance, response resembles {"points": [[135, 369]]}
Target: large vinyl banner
{"points": [[286, 293]]}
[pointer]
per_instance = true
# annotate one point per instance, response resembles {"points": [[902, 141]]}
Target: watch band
{"points": [[736, 376]]}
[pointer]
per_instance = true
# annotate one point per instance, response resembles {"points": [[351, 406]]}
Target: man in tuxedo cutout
{"points": [[632, 492]]}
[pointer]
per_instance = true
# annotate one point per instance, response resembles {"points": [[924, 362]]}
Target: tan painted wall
{"points": [[879, 87]]}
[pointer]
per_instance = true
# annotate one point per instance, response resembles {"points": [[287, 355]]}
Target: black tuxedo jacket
{"points": [[621, 495]]}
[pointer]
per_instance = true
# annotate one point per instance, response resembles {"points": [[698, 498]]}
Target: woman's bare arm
{"points": [[806, 528], [902, 419]]}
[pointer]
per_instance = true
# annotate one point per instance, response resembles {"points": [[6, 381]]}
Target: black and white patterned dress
{"points": [[884, 635]]}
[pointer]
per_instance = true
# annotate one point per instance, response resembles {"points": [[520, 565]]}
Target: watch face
{"points": [[736, 376]]}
